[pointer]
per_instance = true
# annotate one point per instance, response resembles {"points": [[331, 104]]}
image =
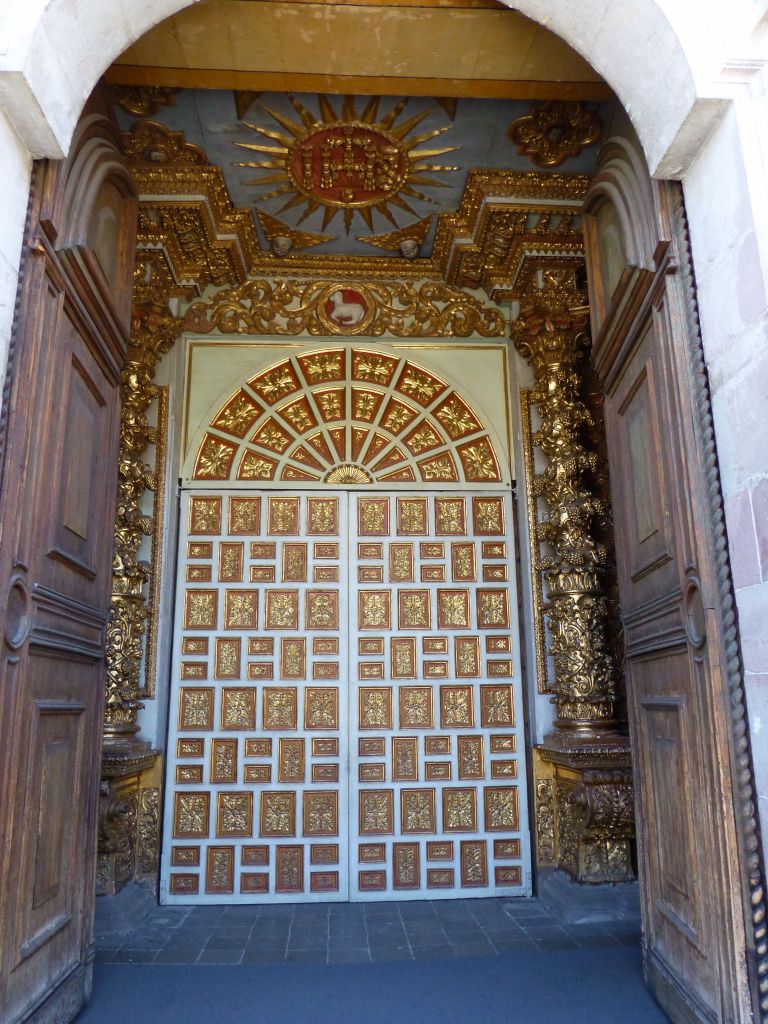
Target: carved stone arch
{"points": [[346, 415]]}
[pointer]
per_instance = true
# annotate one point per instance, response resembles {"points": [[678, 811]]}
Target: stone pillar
{"points": [[584, 790]]}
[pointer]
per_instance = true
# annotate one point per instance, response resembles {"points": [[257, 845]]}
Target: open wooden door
{"points": [[57, 518], [695, 943]]}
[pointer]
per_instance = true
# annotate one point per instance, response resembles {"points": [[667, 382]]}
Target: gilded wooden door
{"points": [[346, 716]]}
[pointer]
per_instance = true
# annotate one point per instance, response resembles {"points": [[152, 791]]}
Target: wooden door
{"points": [[58, 524], [694, 940]]}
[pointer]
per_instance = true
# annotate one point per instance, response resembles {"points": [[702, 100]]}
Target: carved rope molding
{"points": [[747, 829]]}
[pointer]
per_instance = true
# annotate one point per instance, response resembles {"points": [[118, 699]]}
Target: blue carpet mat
{"points": [[593, 986]]}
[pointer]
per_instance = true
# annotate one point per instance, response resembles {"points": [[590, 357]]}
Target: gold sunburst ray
{"points": [[307, 118], [431, 134], [406, 127], [327, 113], [399, 201], [270, 133], [348, 109], [385, 211], [258, 147], [389, 119], [329, 212], [288, 123], [259, 164], [368, 115], [348, 215], [293, 202], [287, 187], [367, 215], [312, 206], [422, 179], [416, 194], [268, 179]]}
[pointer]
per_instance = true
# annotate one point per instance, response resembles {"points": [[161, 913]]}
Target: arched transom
{"points": [[347, 416]]}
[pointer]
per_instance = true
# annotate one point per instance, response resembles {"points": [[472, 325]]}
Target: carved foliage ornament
{"points": [[555, 130]]}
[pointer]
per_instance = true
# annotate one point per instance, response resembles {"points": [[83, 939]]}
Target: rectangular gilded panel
{"points": [[277, 815], [370, 645], [238, 708], [199, 574], [325, 550], [432, 574], [440, 850], [474, 863], [401, 563], [230, 562], [494, 574], [506, 849], [184, 885], [254, 856], [374, 772], [321, 707], [324, 853], [372, 881], [496, 706], [417, 810], [326, 773], [370, 574], [432, 549], [456, 707], [200, 608], [405, 866], [241, 608], [322, 517], [463, 566], [234, 814], [194, 670], [258, 748], [189, 774], [508, 875], [320, 813], [325, 645], [450, 516], [283, 517], [244, 516], [279, 708], [289, 869], [262, 574], [370, 551], [282, 609], [261, 645], [504, 744], [403, 657], [324, 881], [460, 810], [199, 549], [412, 516], [294, 563], [501, 809], [453, 609], [204, 516], [291, 760], [440, 878], [371, 853], [434, 645], [325, 574], [374, 609], [325, 747], [227, 665], [195, 708], [261, 670], [493, 609], [434, 771], [376, 809], [415, 707], [220, 869], [435, 669], [375, 707], [405, 760], [223, 761], [437, 745], [466, 651], [488, 516], [293, 658], [371, 747], [194, 645], [325, 670], [253, 881], [190, 748], [257, 773], [494, 549], [495, 669], [373, 518], [413, 610], [263, 549], [498, 644], [471, 759], [185, 856], [370, 670], [322, 611], [504, 769]]}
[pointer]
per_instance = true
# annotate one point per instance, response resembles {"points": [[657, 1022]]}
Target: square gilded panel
{"points": [[370, 645], [463, 566], [293, 658], [244, 516], [374, 609], [417, 810], [291, 765], [413, 610], [467, 656], [190, 748], [488, 516], [205, 516], [224, 760], [320, 813], [405, 866], [200, 609], [471, 758], [322, 611], [227, 658], [189, 774], [185, 856], [322, 516], [194, 670], [434, 645], [325, 773], [432, 549], [370, 574], [231, 561], [403, 657], [371, 747], [199, 549], [325, 645], [405, 760], [376, 811], [254, 856], [238, 708], [493, 609], [495, 573], [277, 814], [252, 881], [258, 748], [494, 549], [503, 744], [324, 853], [326, 550], [219, 869], [372, 881], [325, 747], [501, 809], [263, 549], [289, 869], [415, 707], [294, 563], [321, 707], [257, 773], [234, 814], [401, 562], [370, 670], [453, 609], [498, 644], [283, 517], [184, 885], [282, 609], [496, 706], [435, 771], [440, 878], [199, 574], [412, 516], [371, 853], [241, 609], [375, 710], [506, 848], [196, 708], [261, 645], [194, 645], [261, 670], [370, 551], [474, 863], [506, 769], [435, 670], [373, 518], [440, 850], [437, 745], [374, 772], [432, 574], [460, 810], [450, 517], [456, 707], [279, 707]]}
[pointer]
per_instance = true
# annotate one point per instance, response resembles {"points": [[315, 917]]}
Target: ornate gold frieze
{"points": [[143, 100], [537, 595], [555, 130]]}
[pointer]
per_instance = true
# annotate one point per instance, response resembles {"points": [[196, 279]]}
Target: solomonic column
{"points": [[584, 796]]}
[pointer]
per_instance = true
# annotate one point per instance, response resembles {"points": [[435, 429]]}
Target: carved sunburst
{"points": [[351, 162]]}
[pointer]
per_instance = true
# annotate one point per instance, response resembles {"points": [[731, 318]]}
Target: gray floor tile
{"points": [[349, 956], [390, 953], [305, 956], [263, 956], [177, 956], [133, 956], [220, 956]]}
